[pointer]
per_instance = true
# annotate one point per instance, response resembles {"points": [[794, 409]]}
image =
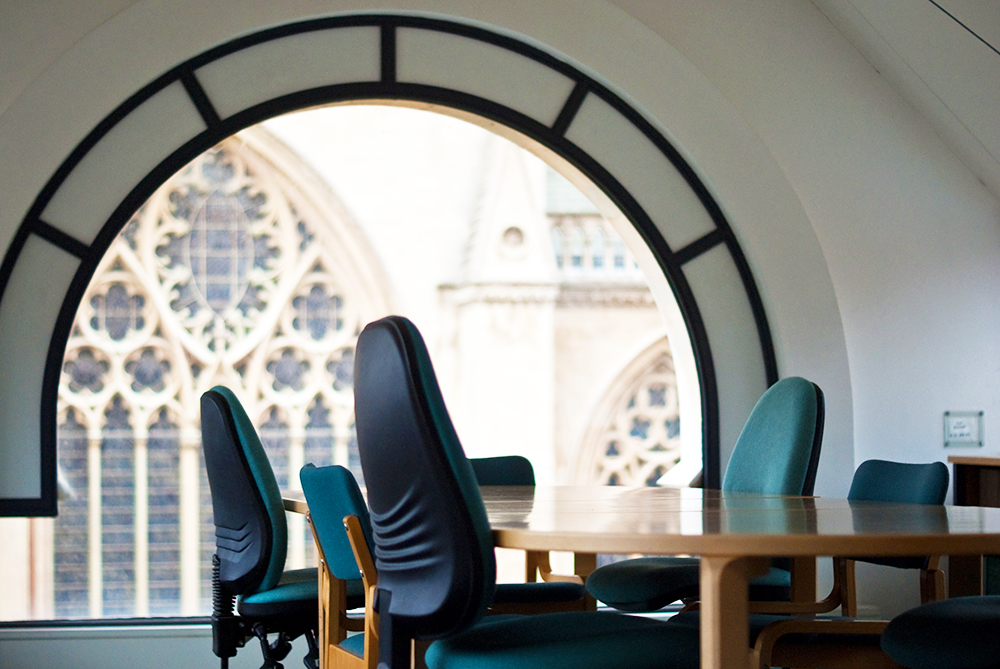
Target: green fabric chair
{"points": [[433, 547], [332, 494], [777, 453], [959, 633], [251, 542], [553, 593]]}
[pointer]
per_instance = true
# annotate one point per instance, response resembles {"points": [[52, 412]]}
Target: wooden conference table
{"points": [[734, 535]]}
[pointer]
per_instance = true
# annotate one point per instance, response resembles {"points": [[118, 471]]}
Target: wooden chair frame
{"points": [[334, 623], [844, 594], [777, 644]]}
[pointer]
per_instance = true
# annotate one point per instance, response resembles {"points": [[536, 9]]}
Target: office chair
{"points": [[333, 497], [433, 547], [777, 453], [251, 541]]}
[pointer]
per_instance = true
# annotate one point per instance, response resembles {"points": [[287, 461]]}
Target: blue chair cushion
{"points": [[774, 451], [503, 470], [299, 576], [650, 583], [295, 594], [571, 640], [902, 482], [645, 584], [333, 493], [355, 587], [960, 633], [529, 593], [354, 644]]}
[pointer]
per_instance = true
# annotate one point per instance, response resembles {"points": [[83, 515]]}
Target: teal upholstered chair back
{"points": [[904, 483], [333, 493], [503, 470], [778, 450]]}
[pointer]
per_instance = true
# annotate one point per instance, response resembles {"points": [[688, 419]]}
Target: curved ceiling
{"points": [[943, 56]]}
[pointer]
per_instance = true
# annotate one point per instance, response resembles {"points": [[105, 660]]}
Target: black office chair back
{"points": [[250, 528], [433, 548]]}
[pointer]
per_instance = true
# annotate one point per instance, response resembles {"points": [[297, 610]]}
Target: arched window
{"points": [[584, 126]]}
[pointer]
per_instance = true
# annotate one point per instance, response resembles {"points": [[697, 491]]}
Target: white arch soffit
{"points": [[703, 126]]}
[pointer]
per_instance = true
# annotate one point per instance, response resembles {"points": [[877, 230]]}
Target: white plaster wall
{"points": [[910, 237], [875, 249]]}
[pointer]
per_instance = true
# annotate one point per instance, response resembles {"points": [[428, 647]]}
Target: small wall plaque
{"points": [[963, 428]]}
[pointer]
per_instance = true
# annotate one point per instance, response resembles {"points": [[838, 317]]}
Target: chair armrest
{"points": [[361, 553], [869, 655]]}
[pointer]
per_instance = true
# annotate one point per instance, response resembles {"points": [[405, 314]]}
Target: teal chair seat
{"points": [[534, 593], [650, 583], [777, 453], [959, 633], [572, 640]]}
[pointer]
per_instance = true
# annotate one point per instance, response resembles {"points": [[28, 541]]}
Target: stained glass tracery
{"points": [[218, 279]]}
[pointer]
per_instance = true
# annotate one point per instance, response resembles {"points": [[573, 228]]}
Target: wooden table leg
{"points": [[584, 565], [965, 575], [804, 579], [725, 636]]}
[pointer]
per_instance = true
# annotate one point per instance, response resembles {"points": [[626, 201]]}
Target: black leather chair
{"points": [[248, 568], [433, 547]]}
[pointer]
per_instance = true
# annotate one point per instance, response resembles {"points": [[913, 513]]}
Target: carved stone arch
{"points": [[634, 435]]}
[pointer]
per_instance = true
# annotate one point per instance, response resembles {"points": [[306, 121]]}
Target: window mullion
{"points": [[141, 522], [95, 576], [190, 567]]}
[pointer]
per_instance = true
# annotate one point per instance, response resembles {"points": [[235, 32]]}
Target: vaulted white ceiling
{"points": [[944, 57]]}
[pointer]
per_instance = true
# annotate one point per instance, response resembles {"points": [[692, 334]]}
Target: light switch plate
{"points": [[963, 428]]}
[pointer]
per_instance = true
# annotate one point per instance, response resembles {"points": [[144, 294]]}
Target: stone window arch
{"points": [[634, 437]]}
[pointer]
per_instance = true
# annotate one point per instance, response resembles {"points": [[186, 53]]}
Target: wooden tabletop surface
{"points": [[609, 519]]}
